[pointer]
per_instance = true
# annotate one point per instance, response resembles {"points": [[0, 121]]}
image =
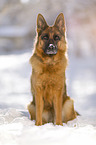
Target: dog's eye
{"points": [[56, 37], [45, 37]]}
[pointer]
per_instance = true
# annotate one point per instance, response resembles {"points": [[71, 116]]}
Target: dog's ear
{"points": [[60, 23], [41, 23]]}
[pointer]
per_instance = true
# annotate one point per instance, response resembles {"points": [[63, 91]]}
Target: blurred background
{"points": [[17, 33], [18, 23]]}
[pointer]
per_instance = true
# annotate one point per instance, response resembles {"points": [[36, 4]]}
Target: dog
{"points": [[48, 82]]}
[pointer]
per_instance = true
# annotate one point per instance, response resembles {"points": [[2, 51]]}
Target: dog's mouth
{"points": [[51, 50]]}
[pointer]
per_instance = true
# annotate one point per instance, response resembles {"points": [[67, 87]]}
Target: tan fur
{"points": [[68, 112], [48, 82]]}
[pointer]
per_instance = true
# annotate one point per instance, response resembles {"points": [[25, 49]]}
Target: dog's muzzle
{"points": [[52, 49]]}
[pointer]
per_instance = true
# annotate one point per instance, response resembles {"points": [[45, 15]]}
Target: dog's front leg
{"points": [[58, 107], [39, 107]]}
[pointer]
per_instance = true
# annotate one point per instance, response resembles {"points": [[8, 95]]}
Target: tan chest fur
{"points": [[48, 78]]}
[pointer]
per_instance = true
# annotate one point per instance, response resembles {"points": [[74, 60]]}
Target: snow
{"points": [[15, 126]]}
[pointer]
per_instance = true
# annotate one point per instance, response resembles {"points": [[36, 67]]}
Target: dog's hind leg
{"points": [[68, 112], [32, 111]]}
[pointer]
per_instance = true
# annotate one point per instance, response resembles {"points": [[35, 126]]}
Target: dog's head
{"points": [[51, 39]]}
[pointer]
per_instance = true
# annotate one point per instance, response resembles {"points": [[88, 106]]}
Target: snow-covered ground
{"points": [[15, 126]]}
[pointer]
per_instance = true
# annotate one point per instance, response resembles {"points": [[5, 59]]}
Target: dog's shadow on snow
{"points": [[25, 113]]}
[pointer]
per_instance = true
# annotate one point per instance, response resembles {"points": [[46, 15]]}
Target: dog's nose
{"points": [[51, 47]]}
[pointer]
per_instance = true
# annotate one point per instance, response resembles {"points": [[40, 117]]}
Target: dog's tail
{"points": [[77, 113]]}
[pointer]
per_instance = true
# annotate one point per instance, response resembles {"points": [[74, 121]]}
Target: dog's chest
{"points": [[50, 81], [48, 86], [51, 76]]}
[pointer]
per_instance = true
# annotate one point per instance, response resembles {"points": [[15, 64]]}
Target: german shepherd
{"points": [[48, 82]]}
